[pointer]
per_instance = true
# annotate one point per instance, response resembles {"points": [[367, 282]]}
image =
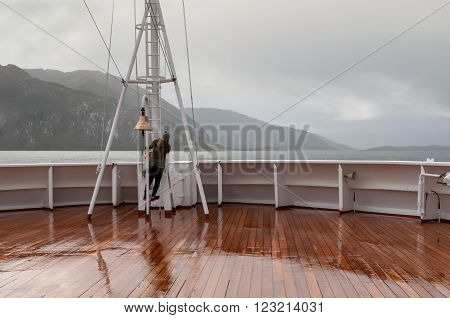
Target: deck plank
{"points": [[238, 251]]}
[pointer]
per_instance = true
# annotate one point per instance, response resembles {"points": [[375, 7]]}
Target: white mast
{"points": [[152, 27]]}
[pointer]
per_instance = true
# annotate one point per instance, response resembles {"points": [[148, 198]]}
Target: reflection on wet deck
{"points": [[238, 251]]}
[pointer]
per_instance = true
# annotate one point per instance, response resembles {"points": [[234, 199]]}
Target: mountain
{"points": [[411, 148], [217, 116], [251, 133], [95, 82], [40, 115], [52, 110]]}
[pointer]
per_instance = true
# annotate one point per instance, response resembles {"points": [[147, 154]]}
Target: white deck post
{"points": [[345, 193], [421, 193], [116, 186], [275, 185], [219, 184], [116, 117], [423, 188], [50, 188], [169, 183]]}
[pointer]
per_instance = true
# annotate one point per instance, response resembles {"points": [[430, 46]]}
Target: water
{"points": [[24, 157]]}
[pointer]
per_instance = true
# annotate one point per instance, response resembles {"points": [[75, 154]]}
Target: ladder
{"points": [[152, 99]]}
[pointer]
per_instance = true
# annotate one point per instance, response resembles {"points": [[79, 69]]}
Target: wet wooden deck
{"points": [[239, 251]]}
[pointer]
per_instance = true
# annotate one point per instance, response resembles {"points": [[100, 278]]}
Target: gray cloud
{"points": [[259, 56]]}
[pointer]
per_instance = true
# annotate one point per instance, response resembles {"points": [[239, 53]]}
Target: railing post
{"points": [[114, 183], [219, 184], [421, 193], [50, 188], [167, 196], [345, 193], [275, 185]]}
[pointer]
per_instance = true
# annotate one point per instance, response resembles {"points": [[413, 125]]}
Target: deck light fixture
{"points": [[350, 176], [447, 179]]}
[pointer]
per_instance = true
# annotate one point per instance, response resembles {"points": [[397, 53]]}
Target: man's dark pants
{"points": [[155, 173]]}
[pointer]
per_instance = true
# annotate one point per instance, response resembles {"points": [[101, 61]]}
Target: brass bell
{"points": [[143, 123]]}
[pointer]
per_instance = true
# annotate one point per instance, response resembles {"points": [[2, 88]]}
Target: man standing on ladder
{"points": [[157, 162]]}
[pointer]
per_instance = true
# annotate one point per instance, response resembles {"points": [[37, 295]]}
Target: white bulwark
{"points": [[400, 188]]}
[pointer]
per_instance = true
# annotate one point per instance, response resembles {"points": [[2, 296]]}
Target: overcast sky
{"points": [[258, 57]]}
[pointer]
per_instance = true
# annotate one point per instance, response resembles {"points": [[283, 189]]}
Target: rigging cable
{"points": [[111, 30], [103, 39], [136, 61], [186, 34], [358, 62], [53, 37], [140, 159], [163, 48], [72, 49], [162, 45]]}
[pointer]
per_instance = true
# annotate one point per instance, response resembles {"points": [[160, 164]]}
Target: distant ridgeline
{"points": [[51, 110], [411, 148]]}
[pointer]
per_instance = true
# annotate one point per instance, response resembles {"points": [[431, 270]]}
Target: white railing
{"points": [[368, 186]]}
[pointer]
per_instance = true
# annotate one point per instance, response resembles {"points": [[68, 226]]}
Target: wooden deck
{"points": [[239, 251]]}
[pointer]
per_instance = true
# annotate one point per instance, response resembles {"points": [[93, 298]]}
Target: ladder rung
{"points": [[152, 78]]}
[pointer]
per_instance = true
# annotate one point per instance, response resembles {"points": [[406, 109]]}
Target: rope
{"points": [[103, 39], [186, 34], [107, 79]]}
